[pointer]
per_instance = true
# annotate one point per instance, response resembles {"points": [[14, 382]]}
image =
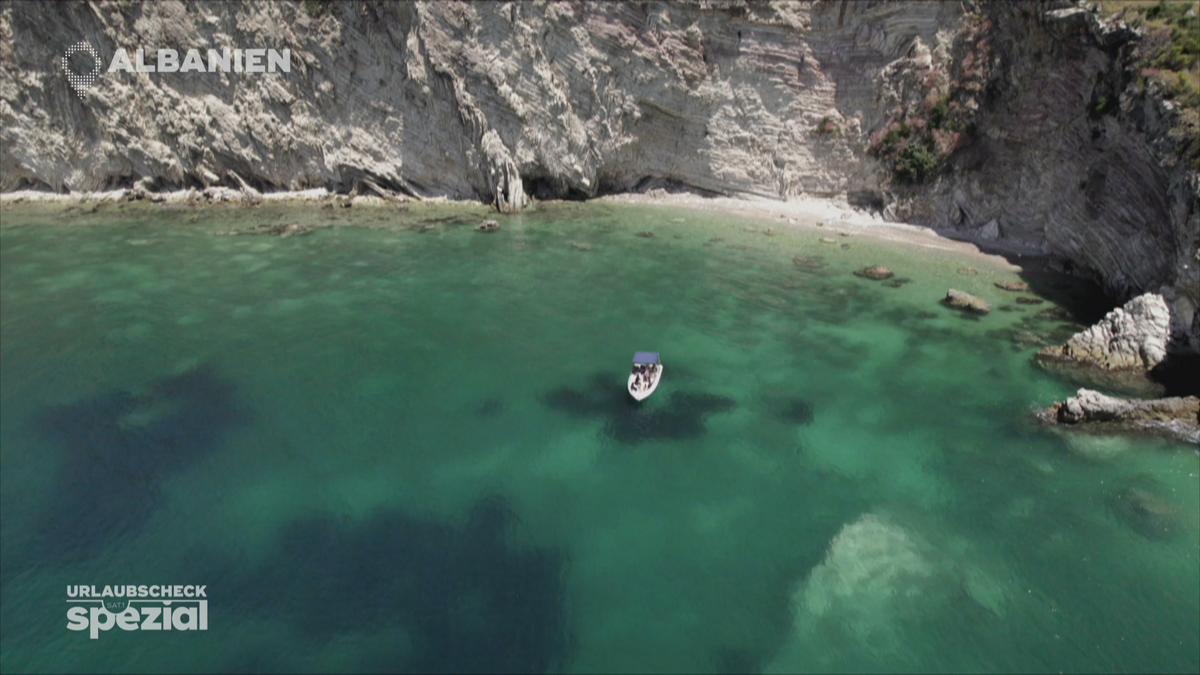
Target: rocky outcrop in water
{"points": [[1119, 351], [874, 272], [1178, 417], [1133, 336], [967, 302], [1014, 286], [507, 101]]}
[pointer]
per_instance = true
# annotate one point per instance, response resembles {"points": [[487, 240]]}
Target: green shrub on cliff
{"points": [[1169, 58], [916, 163]]}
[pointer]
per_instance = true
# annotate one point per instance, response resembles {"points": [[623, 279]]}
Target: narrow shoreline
{"points": [[810, 215], [824, 215]]}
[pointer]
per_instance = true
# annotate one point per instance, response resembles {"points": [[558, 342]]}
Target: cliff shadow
{"points": [[1052, 279]]}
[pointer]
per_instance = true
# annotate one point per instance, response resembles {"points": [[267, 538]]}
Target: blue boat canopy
{"points": [[645, 357]]}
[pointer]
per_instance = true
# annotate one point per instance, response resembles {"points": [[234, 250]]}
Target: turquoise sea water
{"points": [[383, 450]]}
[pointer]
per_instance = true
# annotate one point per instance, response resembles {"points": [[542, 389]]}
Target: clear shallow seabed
{"points": [[385, 450]]}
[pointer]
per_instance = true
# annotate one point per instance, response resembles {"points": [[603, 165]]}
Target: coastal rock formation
{"points": [[966, 301], [505, 102], [1119, 351], [1176, 416], [875, 272], [1092, 406], [1133, 336]]}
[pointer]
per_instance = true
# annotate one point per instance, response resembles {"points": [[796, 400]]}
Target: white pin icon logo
{"points": [[81, 82]]}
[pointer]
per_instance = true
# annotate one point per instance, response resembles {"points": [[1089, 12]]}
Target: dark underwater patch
{"points": [[490, 407], [793, 410], [630, 422], [470, 602], [119, 447]]}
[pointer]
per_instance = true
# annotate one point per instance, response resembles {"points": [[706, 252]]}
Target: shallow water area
{"points": [[398, 444]]}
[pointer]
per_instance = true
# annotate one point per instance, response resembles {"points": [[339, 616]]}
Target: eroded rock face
{"points": [[1118, 351], [1093, 406], [505, 102], [1178, 417]]}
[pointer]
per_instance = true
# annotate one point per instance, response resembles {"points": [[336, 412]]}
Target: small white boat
{"points": [[641, 386]]}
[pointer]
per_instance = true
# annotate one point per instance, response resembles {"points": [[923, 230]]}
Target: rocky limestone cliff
{"points": [[506, 100]]}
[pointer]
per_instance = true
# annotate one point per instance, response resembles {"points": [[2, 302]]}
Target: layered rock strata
{"points": [[510, 101]]}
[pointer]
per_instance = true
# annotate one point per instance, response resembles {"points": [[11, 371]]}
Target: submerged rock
{"points": [[1027, 300], [966, 301], [289, 230], [645, 235], [1024, 338], [487, 226], [876, 272], [1015, 286], [968, 271], [1146, 513], [811, 262], [1054, 313]]}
